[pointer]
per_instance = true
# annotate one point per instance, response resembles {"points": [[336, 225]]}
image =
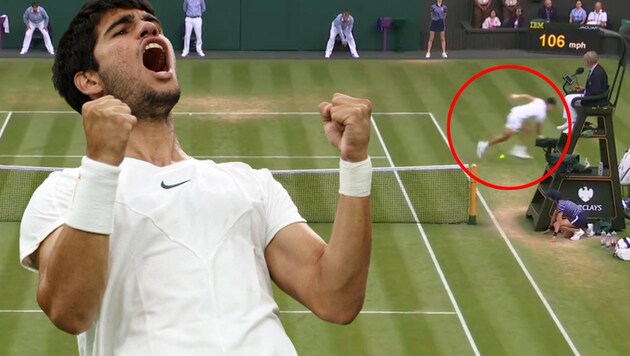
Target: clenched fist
{"points": [[347, 125], [108, 123]]}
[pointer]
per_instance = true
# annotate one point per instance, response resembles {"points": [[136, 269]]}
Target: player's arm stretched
{"points": [[522, 96], [72, 261], [553, 217], [331, 279]]}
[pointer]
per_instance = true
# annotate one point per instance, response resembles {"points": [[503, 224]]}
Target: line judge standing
{"points": [[342, 25], [35, 17], [438, 24], [193, 10]]}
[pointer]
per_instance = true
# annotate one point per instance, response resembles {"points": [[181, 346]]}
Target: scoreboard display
{"points": [[563, 38]]}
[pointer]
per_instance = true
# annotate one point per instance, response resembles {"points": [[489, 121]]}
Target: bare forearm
{"points": [[523, 96], [344, 264], [74, 278]]}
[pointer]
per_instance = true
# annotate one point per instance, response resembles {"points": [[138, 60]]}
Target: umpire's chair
{"points": [[597, 190]]}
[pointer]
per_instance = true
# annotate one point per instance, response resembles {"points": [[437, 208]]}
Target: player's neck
{"points": [[156, 143]]}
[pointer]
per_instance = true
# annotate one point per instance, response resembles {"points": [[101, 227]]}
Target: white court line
{"points": [[217, 157], [425, 239], [227, 113], [365, 312], [520, 262], [6, 123]]}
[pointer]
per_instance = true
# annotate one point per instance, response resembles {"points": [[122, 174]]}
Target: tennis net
{"points": [[437, 194]]}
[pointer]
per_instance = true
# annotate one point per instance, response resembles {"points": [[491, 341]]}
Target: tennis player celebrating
{"points": [[536, 108], [143, 250]]}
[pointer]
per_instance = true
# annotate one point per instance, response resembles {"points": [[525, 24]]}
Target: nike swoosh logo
{"points": [[166, 186]]}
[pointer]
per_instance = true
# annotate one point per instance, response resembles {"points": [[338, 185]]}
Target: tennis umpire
{"points": [[596, 84], [144, 250]]}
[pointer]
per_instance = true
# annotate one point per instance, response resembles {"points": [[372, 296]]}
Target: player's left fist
{"points": [[347, 125]]}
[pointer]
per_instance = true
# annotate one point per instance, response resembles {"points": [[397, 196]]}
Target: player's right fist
{"points": [[108, 122]]}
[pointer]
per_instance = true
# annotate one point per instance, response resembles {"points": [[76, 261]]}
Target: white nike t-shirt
{"points": [[188, 274], [536, 109]]}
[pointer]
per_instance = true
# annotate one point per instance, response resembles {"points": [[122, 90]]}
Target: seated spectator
{"points": [[481, 10], [492, 21], [598, 17], [547, 12], [509, 8], [578, 14], [517, 20]]}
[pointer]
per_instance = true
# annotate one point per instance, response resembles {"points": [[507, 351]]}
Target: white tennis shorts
{"points": [[514, 123]]}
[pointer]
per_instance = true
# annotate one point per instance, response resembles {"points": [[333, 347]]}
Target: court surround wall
{"points": [[249, 24], [304, 25]]}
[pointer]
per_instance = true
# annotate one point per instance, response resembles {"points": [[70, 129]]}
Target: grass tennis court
{"points": [[433, 289]]}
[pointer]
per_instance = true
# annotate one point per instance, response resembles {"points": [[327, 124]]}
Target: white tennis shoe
{"points": [[482, 146], [576, 235], [563, 126], [520, 152]]}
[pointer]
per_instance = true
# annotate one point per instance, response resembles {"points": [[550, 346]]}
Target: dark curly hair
{"points": [[75, 52]]}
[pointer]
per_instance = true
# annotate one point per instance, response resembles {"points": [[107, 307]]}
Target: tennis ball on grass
{"points": [[501, 156]]}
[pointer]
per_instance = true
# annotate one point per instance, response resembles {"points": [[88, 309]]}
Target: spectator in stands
{"points": [[481, 10], [193, 10], [342, 25], [35, 17], [547, 12], [598, 17], [438, 24], [509, 9], [577, 16], [517, 20], [596, 84], [568, 217], [491, 21]]}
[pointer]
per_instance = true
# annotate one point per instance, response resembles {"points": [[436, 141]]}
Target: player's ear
{"points": [[88, 83]]}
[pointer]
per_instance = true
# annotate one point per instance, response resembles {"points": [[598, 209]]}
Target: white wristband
{"points": [[355, 178], [92, 208]]}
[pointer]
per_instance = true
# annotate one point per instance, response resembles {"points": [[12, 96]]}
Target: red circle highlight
{"points": [[494, 69]]}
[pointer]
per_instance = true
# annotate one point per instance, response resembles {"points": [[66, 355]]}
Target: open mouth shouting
{"points": [[156, 59]]}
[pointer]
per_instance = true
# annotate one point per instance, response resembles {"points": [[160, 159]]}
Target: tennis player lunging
{"points": [[536, 108], [143, 250]]}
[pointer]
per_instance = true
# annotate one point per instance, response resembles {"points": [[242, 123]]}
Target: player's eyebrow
{"points": [[128, 18]]}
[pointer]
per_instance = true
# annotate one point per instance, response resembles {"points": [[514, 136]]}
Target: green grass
{"points": [[585, 287]]}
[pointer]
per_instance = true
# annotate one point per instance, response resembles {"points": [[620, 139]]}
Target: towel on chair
{"points": [[6, 23]]}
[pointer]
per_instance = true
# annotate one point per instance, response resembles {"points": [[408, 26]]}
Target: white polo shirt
{"points": [[536, 109], [188, 274], [597, 18]]}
